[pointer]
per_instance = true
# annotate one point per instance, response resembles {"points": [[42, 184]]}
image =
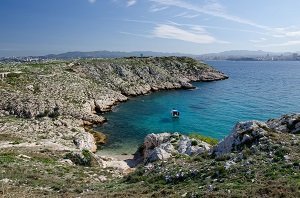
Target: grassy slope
{"points": [[253, 175]]}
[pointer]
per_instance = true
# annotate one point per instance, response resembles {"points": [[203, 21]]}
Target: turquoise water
{"points": [[255, 90]]}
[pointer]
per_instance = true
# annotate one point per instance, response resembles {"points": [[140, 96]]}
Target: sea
{"points": [[255, 90]]}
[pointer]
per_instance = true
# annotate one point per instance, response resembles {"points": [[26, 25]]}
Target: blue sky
{"points": [[37, 27]]}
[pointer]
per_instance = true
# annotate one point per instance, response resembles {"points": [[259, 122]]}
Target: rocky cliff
{"points": [[55, 99]]}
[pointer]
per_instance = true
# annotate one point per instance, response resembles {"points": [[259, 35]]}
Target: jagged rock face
{"points": [[164, 145], [254, 133], [244, 133], [286, 124]]}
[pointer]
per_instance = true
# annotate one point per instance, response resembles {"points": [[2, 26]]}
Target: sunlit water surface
{"points": [[255, 90]]}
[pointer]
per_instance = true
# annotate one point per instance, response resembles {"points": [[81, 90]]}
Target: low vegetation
{"points": [[209, 140]]}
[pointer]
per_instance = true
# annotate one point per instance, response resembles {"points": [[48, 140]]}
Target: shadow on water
{"points": [[169, 120]]}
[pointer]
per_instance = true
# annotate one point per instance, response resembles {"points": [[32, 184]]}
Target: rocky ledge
{"points": [[256, 135]]}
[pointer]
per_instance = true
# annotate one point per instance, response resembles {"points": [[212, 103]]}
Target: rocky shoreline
{"points": [[58, 102]]}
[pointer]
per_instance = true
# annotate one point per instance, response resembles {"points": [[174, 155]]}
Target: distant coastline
{"points": [[234, 55]]}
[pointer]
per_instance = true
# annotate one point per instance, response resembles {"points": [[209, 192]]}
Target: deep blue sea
{"points": [[254, 90]]}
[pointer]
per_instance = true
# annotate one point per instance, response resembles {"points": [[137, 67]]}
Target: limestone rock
{"points": [[157, 154], [85, 141], [162, 146], [286, 124], [243, 133]]}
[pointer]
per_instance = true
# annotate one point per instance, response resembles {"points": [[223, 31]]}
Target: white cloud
{"points": [[187, 15], [215, 9], [155, 8], [173, 32], [211, 8], [131, 2], [92, 1]]}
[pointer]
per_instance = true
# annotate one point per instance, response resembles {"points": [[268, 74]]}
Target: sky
{"points": [[39, 27]]}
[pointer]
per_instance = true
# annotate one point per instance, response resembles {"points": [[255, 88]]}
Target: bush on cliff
{"points": [[83, 158], [209, 140]]}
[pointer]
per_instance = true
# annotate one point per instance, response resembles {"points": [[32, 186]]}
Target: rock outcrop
{"points": [[255, 133], [165, 145], [242, 134], [285, 124], [85, 141]]}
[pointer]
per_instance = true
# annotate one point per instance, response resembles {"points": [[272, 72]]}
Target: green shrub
{"points": [[246, 152], [55, 113], [6, 158], [194, 143], [219, 171], [36, 89], [280, 153], [13, 75], [84, 158], [16, 142], [209, 140], [223, 157]]}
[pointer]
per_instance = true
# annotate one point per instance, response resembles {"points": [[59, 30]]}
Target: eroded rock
{"points": [[85, 141], [165, 145]]}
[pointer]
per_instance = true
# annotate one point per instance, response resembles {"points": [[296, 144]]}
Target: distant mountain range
{"points": [[226, 55], [111, 54]]}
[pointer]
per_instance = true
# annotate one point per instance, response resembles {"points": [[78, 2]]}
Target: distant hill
{"points": [[245, 55], [111, 54], [226, 55], [240, 54]]}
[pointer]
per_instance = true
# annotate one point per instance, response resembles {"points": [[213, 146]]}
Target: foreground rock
{"points": [[254, 134], [285, 124], [85, 141], [165, 145]]}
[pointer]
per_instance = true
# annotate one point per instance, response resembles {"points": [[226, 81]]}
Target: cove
{"points": [[255, 90]]}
